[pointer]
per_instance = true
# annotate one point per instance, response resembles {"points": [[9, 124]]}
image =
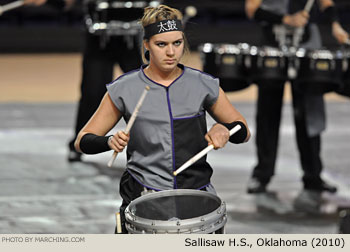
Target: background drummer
{"points": [[171, 126], [100, 54], [309, 111]]}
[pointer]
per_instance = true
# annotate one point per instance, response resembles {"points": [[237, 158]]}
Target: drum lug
{"points": [[178, 223]]}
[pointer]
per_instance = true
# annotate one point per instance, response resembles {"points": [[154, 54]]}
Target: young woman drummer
{"points": [[170, 127]]}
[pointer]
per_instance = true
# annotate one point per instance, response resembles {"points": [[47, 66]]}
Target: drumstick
{"points": [[300, 30], [200, 154], [119, 223], [131, 122], [10, 6], [309, 5]]}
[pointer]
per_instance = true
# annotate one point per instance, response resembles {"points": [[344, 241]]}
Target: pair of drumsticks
{"points": [[185, 165]]}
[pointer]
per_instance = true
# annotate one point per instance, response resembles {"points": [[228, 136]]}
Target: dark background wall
{"points": [[46, 29]]}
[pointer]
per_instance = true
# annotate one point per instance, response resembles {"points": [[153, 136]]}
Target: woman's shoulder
{"points": [[199, 73], [127, 77]]}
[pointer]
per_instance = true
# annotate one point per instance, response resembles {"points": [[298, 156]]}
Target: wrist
{"points": [[93, 144], [286, 19], [57, 4], [331, 15], [268, 16], [109, 141], [241, 135]]}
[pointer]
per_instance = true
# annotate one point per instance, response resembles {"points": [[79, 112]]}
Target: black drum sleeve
{"points": [[240, 135], [93, 144], [330, 14], [268, 16], [57, 4]]}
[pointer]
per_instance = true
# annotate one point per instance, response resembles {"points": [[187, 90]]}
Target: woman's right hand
{"points": [[118, 141], [298, 19]]}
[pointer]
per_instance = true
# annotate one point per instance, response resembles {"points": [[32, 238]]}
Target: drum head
{"points": [[178, 206], [176, 211]]}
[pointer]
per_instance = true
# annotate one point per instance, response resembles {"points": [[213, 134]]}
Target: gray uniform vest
{"points": [[169, 129]]}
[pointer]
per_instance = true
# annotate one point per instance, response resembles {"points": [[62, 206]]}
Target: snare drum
{"points": [[176, 212], [229, 62], [110, 17], [319, 71], [269, 66]]}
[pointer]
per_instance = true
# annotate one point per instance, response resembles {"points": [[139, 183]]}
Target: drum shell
{"points": [[269, 67], [229, 62], [207, 55], [213, 221], [319, 72]]}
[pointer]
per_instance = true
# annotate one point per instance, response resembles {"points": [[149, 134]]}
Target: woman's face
{"points": [[166, 50]]}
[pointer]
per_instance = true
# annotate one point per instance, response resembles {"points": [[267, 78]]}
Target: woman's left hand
{"points": [[218, 136]]}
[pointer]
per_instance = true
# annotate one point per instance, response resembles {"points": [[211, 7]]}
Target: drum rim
{"points": [[225, 48], [207, 223]]}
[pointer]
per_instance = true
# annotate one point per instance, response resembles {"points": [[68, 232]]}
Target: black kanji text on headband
{"points": [[161, 27]]}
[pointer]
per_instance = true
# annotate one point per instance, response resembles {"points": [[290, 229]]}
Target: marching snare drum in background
{"points": [[319, 71], [229, 62], [269, 66], [175, 212], [207, 55], [118, 18]]}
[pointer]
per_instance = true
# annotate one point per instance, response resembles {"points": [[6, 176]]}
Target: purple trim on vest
{"points": [[170, 112], [200, 188], [189, 117], [130, 72], [138, 181], [180, 65], [172, 134], [202, 72]]}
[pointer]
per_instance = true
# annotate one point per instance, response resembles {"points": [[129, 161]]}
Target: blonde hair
{"points": [[155, 14]]}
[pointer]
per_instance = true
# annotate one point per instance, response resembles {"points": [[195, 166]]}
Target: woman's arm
{"points": [[224, 112], [328, 8], [254, 11], [251, 6], [102, 121]]}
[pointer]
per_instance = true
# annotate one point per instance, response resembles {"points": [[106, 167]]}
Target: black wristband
{"points": [[57, 4], [330, 14], [268, 16], [93, 144], [240, 135]]}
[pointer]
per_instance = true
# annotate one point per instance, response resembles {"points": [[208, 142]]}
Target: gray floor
{"points": [[40, 192]]}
